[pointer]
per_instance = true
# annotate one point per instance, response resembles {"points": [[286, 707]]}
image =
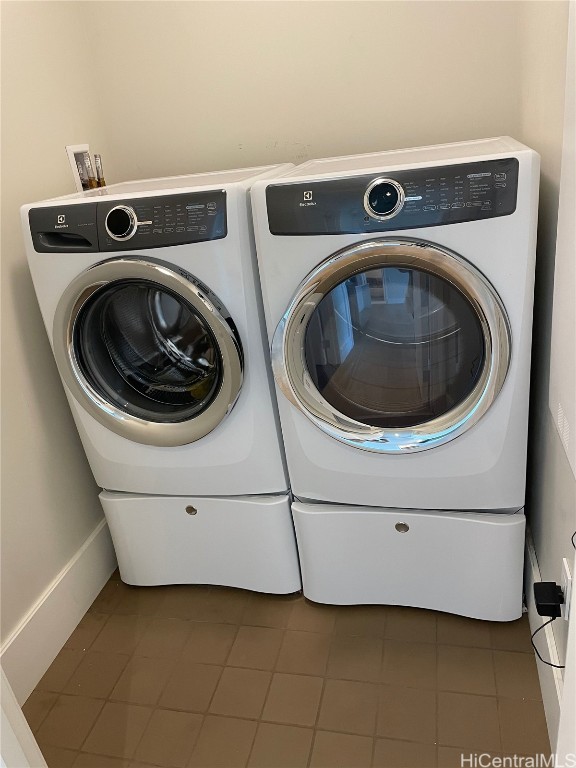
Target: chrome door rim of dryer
{"points": [[210, 309], [288, 345]]}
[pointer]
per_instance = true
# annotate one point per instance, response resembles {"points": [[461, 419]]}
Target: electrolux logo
{"points": [[61, 221], [307, 199]]}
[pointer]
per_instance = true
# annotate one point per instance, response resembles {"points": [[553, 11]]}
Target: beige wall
{"points": [[166, 88], [551, 503], [188, 86], [49, 500]]}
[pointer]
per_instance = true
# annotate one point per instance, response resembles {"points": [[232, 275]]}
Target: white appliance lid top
{"points": [[171, 183], [421, 155]]}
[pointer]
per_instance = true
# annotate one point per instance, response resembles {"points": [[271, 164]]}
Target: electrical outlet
{"points": [[566, 584]]}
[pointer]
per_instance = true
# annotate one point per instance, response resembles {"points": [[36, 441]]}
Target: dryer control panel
{"points": [[394, 200], [122, 225]]}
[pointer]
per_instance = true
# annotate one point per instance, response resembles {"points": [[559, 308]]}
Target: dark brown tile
{"points": [[209, 643], [293, 699], [312, 617], [86, 760], [390, 753], [61, 670], [468, 721], [190, 687], [468, 670], [37, 706], [517, 675], [224, 742], [58, 757], [86, 632], [305, 653], [97, 674], [121, 634], [181, 601], [409, 664], [349, 707], [141, 601], [241, 692], [459, 630], [221, 606], [281, 746], [407, 714], [523, 726], [453, 757], [355, 658], [69, 721], [411, 624], [268, 610], [255, 647], [365, 620], [511, 635], [118, 730], [109, 598], [169, 738], [163, 638], [142, 681], [339, 750]]}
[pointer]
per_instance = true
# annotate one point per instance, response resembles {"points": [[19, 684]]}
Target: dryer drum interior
{"points": [[393, 345], [149, 351]]}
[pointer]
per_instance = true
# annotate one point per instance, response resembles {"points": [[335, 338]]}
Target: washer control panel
{"points": [[138, 223], [395, 200]]}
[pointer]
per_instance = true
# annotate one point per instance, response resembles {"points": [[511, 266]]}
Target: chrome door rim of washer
{"points": [[164, 434], [288, 344]]}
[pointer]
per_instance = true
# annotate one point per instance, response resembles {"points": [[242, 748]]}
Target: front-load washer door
{"points": [[393, 346], [148, 351]]}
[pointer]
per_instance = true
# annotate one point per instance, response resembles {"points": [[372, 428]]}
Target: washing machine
{"points": [[398, 298], [150, 296]]}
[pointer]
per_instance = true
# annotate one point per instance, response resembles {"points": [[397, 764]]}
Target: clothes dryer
{"points": [[398, 299], [150, 296]]}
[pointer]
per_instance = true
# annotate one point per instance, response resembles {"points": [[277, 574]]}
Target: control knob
{"points": [[383, 199], [121, 222]]}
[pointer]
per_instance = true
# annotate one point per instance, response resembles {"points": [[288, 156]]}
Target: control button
{"points": [[499, 177], [383, 199], [500, 184], [121, 222], [444, 206], [429, 208], [458, 205], [180, 229]]}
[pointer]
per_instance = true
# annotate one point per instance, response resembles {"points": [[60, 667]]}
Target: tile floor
{"points": [[200, 677]]}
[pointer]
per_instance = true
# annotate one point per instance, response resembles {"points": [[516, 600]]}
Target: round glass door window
{"points": [[394, 347], [147, 351]]}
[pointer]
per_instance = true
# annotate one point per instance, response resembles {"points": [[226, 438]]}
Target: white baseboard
{"points": [[32, 647], [551, 680]]}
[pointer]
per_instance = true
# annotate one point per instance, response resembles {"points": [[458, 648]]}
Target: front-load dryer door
{"points": [[148, 351], [393, 346]]}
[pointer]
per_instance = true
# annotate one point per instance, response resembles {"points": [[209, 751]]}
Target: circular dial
{"points": [[383, 199], [121, 222]]}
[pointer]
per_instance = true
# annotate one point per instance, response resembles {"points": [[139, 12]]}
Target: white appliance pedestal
{"points": [[467, 563], [241, 541]]}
